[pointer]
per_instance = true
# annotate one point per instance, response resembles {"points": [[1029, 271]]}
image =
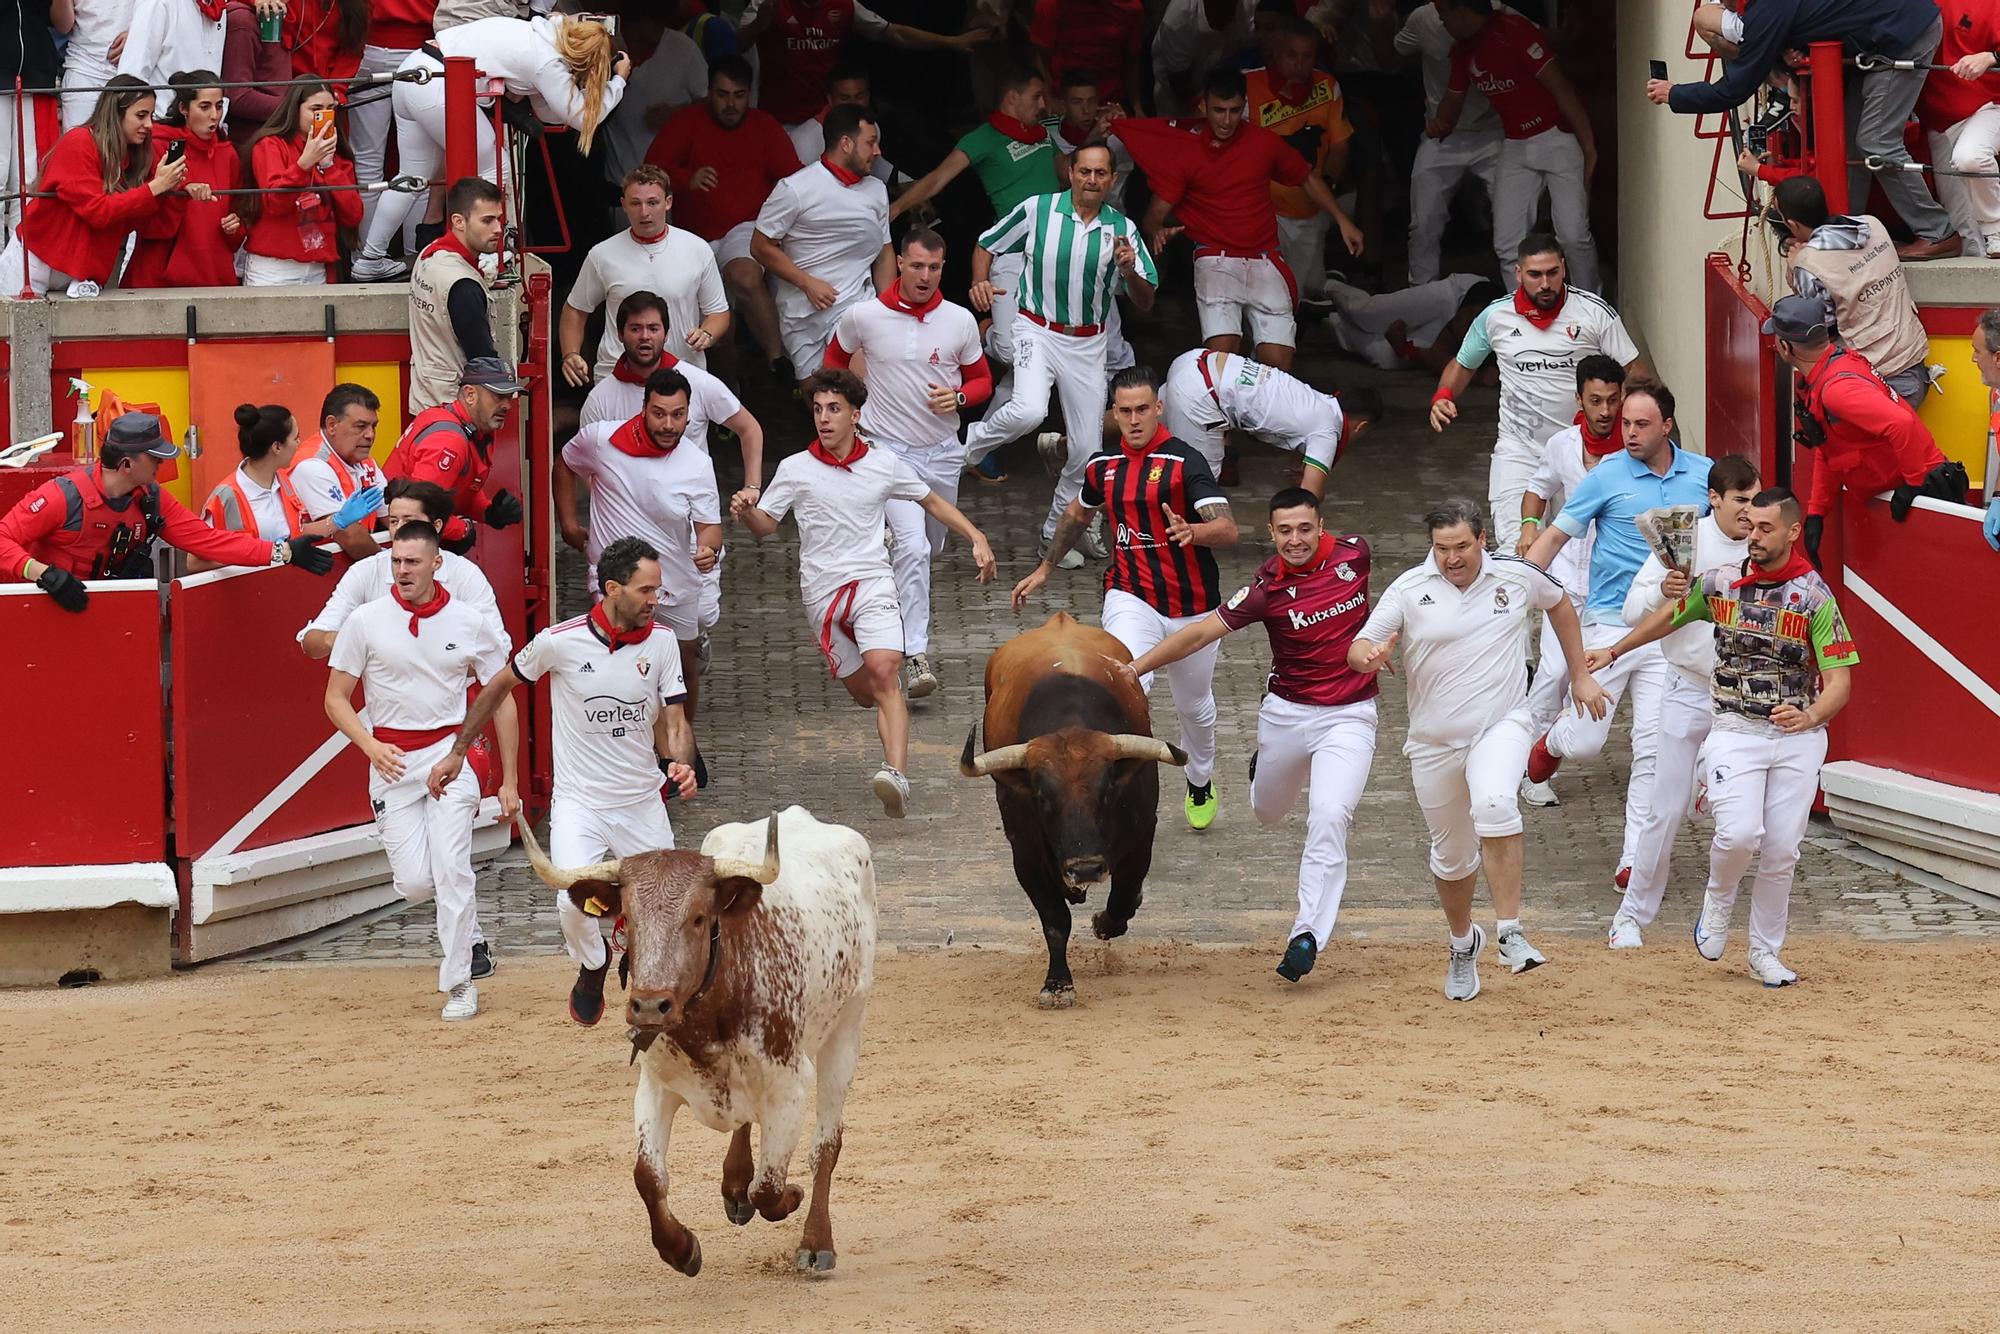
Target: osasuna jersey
{"points": [[1278, 408], [1538, 365], [1312, 615], [603, 703], [617, 401], [370, 578], [416, 679]]}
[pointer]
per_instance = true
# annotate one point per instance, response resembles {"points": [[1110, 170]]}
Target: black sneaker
{"points": [[482, 961], [1299, 958], [586, 998]]}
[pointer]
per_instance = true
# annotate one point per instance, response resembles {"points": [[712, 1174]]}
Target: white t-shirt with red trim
{"points": [[905, 355], [840, 514]]}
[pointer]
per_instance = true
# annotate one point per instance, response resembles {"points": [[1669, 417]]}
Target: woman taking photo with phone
{"points": [[192, 242], [103, 184], [294, 239]]}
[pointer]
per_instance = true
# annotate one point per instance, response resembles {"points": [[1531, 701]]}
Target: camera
{"points": [[608, 22]]}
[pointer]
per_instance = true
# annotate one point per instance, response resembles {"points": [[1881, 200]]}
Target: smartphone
{"points": [[176, 150], [1658, 69], [322, 122]]}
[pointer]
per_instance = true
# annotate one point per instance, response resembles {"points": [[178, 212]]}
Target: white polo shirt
{"points": [[832, 231], [679, 268], [417, 682], [604, 702], [840, 514], [371, 578], [1462, 649], [906, 354], [1538, 366], [1564, 464], [319, 490], [1278, 408], [654, 495], [619, 401]]}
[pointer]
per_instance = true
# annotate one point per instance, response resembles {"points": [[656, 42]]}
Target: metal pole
{"points": [[461, 119], [1829, 123]]}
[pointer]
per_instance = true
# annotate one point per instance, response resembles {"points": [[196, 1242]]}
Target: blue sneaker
{"points": [[989, 469], [1299, 957]]}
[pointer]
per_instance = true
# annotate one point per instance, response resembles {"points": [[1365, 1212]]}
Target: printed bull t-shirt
{"points": [[1772, 640]]}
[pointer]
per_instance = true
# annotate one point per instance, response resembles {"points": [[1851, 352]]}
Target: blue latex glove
{"points": [[1992, 524], [363, 504]]}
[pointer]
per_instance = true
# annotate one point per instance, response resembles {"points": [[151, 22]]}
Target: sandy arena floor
{"points": [[1631, 1142]]}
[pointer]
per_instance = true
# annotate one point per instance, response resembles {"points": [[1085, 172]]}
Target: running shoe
{"points": [[1054, 451], [482, 961], [1542, 765], [1769, 969], [1538, 794], [989, 469], [586, 996], [893, 790], [1299, 957], [1625, 934], [1201, 805], [1711, 929], [1518, 954], [464, 1002], [923, 681], [1461, 978], [369, 268]]}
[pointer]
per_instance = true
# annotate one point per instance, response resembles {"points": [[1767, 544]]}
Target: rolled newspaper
{"points": [[1670, 531]]}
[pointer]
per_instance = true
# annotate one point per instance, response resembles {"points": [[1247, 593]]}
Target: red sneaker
{"points": [[1542, 766]]}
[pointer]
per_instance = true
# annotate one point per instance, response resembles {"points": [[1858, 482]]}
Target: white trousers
{"points": [[270, 271], [1972, 201], [582, 833], [1303, 242], [369, 123], [1005, 276], [1470, 792], [1551, 161], [916, 539], [418, 109], [1513, 467], [1191, 681], [1045, 363], [429, 842], [1551, 688], [1687, 711], [1325, 751], [1576, 735], [18, 171], [86, 73], [18, 268], [1761, 790], [1442, 166]]}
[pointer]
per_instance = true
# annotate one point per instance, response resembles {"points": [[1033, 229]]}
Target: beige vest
{"points": [[1871, 300], [435, 359]]}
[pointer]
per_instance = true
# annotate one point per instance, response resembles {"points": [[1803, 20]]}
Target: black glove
{"points": [[1947, 482], [503, 511], [1900, 501], [1815, 526], [311, 558], [64, 587]]}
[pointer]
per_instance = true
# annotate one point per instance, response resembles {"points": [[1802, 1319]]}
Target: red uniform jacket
{"points": [[81, 231], [71, 524], [300, 224], [311, 32], [401, 25], [1874, 440], [183, 245], [442, 447]]}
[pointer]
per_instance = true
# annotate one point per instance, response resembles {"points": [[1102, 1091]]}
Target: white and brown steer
{"points": [[748, 987]]}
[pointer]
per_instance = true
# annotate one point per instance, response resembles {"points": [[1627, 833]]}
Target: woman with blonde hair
{"points": [[568, 69]]}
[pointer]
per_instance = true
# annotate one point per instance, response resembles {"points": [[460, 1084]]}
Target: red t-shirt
{"points": [[1094, 35], [1505, 63], [748, 161], [1312, 616], [1969, 26], [1220, 192], [796, 53]]}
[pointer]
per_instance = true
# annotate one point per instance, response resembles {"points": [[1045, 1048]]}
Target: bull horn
{"points": [[764, 874], [554, 876], [974, 765], [1132, 746]]}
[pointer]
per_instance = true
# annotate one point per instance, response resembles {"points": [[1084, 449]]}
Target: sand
{"points": [[1630, 1142]]}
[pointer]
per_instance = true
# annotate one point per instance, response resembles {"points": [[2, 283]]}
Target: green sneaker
{"points": [[1200, 805]]}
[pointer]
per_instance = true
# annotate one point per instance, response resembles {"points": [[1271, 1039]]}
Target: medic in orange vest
{"points": [[452, 445], [337, 464]]}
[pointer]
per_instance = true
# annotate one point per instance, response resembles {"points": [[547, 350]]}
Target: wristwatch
{"points": [[961, 398]]}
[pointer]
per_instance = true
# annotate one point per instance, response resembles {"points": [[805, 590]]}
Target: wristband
{"points": [[1443, 394], [1527, 519]]}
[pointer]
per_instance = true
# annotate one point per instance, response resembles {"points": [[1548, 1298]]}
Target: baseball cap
{"points": [[1798, 319], [490, 373], [139, 433]]}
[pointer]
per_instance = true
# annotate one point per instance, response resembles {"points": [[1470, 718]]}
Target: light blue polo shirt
{"points": [[1612, 495]]}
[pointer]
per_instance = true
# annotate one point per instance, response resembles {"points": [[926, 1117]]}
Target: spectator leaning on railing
{"points": [[28, 53], [1960, 110], [298, 154], [192, 242]]}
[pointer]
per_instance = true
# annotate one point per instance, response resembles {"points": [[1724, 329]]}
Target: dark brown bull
{"points": [[1072, 757]]}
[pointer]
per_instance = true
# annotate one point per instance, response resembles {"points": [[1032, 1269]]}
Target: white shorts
{"points": [[860, 616], [582, 833], [733, 244], [1229, 291], [805, 336], [1471, 792]]}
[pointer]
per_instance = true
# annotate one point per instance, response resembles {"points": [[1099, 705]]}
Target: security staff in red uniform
{"points": [[99, 522], [452, 445]]}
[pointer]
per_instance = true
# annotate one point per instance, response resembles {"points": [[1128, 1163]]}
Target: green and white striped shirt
{"points": [[1069, 276]]}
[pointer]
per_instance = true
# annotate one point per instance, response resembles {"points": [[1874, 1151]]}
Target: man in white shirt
{"points": [[618, 722], [415, 653], [840, 489], [650, 256], [1538, 335], [647, 482], [923, 364], [1687, 705], [337, 465], [823, 237], [1443, 165], [1464, 613], [1210, 393]]}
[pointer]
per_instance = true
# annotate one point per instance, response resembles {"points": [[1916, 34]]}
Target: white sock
{"points": [[1463, 942], [1502, 925]]}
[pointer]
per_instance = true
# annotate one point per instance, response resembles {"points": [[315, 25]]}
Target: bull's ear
{"points": [[737, 894], [597, 898]]}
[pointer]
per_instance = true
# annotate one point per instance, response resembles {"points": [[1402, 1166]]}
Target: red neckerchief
{"points": [[1534, 314], [824, 455], [1791, 569], [840, 173], [622, 371], [425, 612], [893, 299], [664, 234], [613, 637], [1598, 446], [1075, 134], [453, 244], [1319, 559], [1160, 437], [212, 9], [633, 438], [1020, 131]]}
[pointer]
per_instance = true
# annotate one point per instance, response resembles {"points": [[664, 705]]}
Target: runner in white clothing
{"points": [[1464, 612], [414, 653], [1538, 335], [649, 256], [1209, 393], [823, 236], [840, 489], [1443, 166], [616, 715], [922, 364]]}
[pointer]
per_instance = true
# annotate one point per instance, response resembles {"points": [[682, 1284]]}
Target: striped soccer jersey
{"points": [[1069, 276], [1135, 491]]}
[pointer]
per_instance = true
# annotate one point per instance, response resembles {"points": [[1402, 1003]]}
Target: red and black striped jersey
{"points": [[1136, 490]]}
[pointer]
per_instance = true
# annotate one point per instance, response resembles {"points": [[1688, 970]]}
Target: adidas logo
{"points": [[587, 668], [1425, 601]]}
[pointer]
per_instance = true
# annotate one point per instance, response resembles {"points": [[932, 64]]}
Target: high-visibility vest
{"points": [[229, 507], [343, 475]]}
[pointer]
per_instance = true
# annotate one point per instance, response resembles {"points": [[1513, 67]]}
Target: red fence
{"points": [[1742, 376]]}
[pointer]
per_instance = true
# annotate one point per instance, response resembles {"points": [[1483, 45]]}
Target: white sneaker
{"points": [[1539, 794], [1461, 978], [1072, 559], [923, 681], [464, 1002], [1093, 543], [1625, 933], [1711, 929], [377, 269], [1054, 450], [893, 789], [82, 289], [1769, 969], [1518, 954]]}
